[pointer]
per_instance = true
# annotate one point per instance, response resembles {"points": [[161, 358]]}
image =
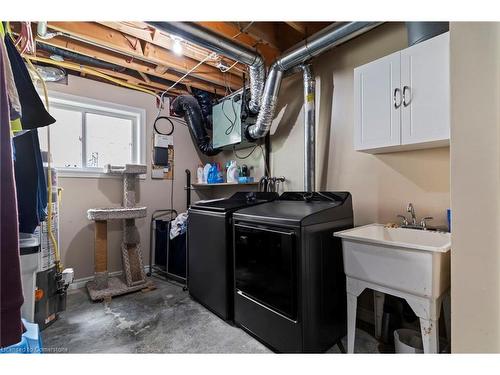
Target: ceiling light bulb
{"points": [[177, 47]]}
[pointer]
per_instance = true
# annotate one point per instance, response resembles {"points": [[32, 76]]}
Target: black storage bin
{"points": [[170, 254], [177, 256], [161, 243]]}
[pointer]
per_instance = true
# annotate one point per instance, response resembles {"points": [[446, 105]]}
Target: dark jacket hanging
{"points": [[11, 296], [34, 114], [30, 181]]}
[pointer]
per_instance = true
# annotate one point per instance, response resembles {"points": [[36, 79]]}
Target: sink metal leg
{"points": [[430, 335], [352, 302], [378, 302]]}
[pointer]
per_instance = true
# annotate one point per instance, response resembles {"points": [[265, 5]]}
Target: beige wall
{"points": [[475, 177], [381, 185], [80, 194]]}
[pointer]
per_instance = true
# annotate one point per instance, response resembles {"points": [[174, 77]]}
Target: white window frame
{"points": [[88, 105]]}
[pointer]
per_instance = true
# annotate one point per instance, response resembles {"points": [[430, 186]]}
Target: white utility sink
{"points": [[408, 263]]}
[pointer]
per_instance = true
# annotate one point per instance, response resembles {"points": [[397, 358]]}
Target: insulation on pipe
{"points": [[78, 57]]}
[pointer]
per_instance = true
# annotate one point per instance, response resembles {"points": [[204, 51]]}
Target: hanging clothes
{"points": [[11, 295], [30, 181], [15, 105], [34, 114]]}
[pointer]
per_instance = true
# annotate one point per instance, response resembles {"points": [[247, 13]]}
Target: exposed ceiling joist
{"points": [[144, 77], [139, 66], [117, 41], [158, 87], [262, 32], [156, 37], [229, 30], [297, 26]]}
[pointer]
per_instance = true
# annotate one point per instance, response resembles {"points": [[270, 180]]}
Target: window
{"points": [[89, 134]]}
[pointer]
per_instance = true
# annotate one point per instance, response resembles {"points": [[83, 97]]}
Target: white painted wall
{"points": [[381, 185], [80, 194], [475, 179]]}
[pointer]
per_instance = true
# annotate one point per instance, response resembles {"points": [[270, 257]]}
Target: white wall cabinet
{"points": [[402, 101]]}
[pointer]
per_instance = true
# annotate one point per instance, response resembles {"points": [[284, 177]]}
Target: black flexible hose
{"points": [[188, 106]]}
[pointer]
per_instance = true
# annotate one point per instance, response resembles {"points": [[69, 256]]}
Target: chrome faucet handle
{"points": [[403, 219], [411, 211], [423, 222]]}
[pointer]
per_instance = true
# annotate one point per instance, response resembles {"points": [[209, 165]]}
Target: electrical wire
{"points": [[49, 175], [230, 128], [25, 42], [250, 153], [243, 30], [84, 69], [246, 156], [181, 78], [224, 70], [164, 118]]}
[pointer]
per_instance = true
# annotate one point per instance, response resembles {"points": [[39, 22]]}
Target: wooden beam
{"points": [[181, 64], [263, 32], [151, 84], [157, 37], [117, 59], [105, 37], [297, 26], [144, 77], [229, 30]]}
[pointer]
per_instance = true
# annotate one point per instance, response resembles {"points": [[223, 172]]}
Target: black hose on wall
{"points": [[206, 101], [188, 106]]}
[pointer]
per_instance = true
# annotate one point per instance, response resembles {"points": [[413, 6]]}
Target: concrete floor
{"points": [[165, 320]]}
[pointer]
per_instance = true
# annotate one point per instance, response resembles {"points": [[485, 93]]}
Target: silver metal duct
{"points": [[315, 45], [268, 104], [309, 128], [212, 41]]}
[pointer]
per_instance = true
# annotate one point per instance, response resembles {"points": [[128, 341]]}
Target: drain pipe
{"points": [[214, 42], [309, 128]]}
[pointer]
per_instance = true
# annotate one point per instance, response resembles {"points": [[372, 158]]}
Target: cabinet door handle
{"points": [[394, 99], [406, 102]]}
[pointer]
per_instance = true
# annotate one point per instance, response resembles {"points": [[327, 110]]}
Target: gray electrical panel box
{"points": [[230, 121]]}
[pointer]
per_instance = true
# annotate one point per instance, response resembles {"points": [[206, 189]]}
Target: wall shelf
{"points": [[196, 185]]}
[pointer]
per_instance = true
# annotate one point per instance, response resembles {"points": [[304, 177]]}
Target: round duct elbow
{"points": [[188, 107]]}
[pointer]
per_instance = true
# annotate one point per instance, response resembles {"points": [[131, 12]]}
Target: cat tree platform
{"points": [[134, 279]]}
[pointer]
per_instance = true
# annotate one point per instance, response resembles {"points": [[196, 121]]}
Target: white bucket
{"points": [[408, 341]]}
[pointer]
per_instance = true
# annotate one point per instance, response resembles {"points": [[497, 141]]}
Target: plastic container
{"points": [[213, 173], [420, 31], [408, 341], [31, 341], [245, 180], [232, 172], [206, 170], [30, 262], [199, 175]]}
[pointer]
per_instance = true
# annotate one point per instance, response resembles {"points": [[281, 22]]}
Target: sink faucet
{"points": [[411, 211], [405, 223]]}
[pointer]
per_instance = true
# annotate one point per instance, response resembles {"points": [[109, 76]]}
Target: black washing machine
{"points": [[210, 250], [289, 279]]}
